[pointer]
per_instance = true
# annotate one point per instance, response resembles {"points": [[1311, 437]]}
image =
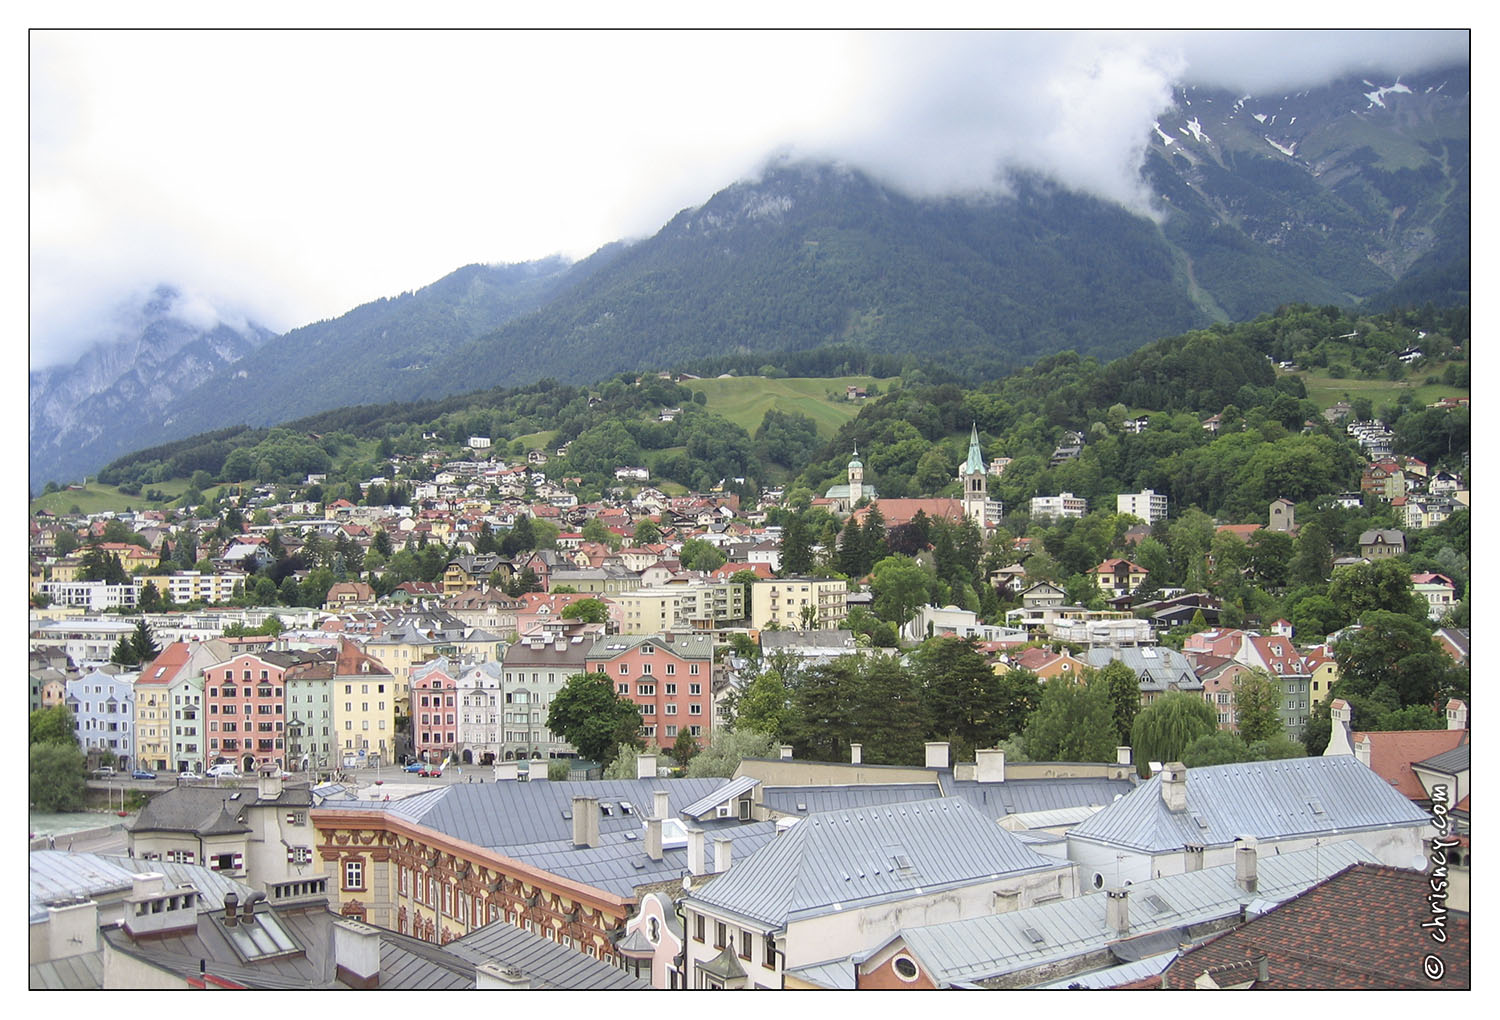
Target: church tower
{"points": [[976, 488], [856, 479]]}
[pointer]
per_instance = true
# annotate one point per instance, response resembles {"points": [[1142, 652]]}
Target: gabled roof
{"points": [[1267, 800], [1393, 751], [723, 795], [867, 856], [1451, 762]]}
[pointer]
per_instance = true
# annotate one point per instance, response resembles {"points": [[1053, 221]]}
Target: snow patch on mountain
{"points": [[1377, 98]]}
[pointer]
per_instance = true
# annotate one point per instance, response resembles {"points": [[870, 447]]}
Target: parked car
{"points": [[192, 777], [104, 772], [415, 766], [223, 771], [430, 771], [142, 774]]}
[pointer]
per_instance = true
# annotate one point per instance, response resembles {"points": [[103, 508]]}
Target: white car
{"points": [[223, 772], [191, 777]]}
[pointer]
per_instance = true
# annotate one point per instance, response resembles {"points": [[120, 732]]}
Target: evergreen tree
{"points": [[143, 643], [1074, 722], [960, 692], [796, 547]]}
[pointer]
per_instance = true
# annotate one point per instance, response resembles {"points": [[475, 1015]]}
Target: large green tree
{"points": [[587, 610], [1257, 701], [900, 585], [960, 691], [1384, 585], [1124, 696], [721, 758], [588, 714], [1074, 722], [55, 777], [1168, 725], [53, 726], [1394, 660]]}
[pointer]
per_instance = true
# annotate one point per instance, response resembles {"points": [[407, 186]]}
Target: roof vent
{"points": [[1032, 934], [1157, 904]]}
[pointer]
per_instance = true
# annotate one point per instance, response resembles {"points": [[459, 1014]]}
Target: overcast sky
{"points": [[289, 176]]}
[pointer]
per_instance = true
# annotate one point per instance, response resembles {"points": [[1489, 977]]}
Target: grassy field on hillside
{"points": [[746, 400], [1326, 391], [95, 498]]}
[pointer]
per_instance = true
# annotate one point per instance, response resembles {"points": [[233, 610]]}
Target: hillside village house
{"points": [[434, 707]]}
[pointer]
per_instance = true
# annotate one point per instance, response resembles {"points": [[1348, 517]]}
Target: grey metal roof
{"points": [[76, 973], [620, 865], [56, 876], [1113, 977], [1451, 762], [507, 816], [1268, 800], [805, 800], [1157, 666], [835, 974], [869, 855], [994, 945], [1023, 796], [549, 964], [198, 809], [730, 790]]}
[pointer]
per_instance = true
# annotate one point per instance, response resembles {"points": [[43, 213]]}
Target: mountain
{"points": [[1351, 194], [155, 352]]}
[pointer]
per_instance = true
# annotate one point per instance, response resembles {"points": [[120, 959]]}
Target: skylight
{"points": [[1157, 904], [1032, 934]]}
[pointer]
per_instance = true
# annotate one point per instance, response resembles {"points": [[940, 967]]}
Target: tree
{"points": [[763, 705], [53, 726], [646, 532], [1392, 659], [698, 554], [55, 773], [66, 543], [1257, 701], [721, 758], [1168, 725], [890, 721], [626, 756], [684, 748], [587, 610], [796, 547], [124, 653], [1074, 722], [900, 586], [960, 691], [588, 714], [1124, 696], [558, 770], [1383, 585], [1018, 693], [143, 643]]}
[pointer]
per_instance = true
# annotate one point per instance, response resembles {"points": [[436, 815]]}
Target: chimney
{"points": [[645, 766], [786, 752], [491, 976], [231, 902], [937, 754], [989, 765], [72, 929], [653, 838], [1362, 751], [356, 953], [1117, 910], [1123, 755], [247, 916], [695, 851], [270, 785], [1458, 715], [856, 752], [1244, 864], [721, 854], [1174, 786], [1192, 857], [660, 804], [506, 771], [1341, 737], [585, 821], [148, 883]]}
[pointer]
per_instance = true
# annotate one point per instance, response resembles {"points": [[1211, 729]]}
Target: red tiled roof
{"points": [[1393, 751], [171, 659], [1239, 531], [1361, 928], [900, 511]]}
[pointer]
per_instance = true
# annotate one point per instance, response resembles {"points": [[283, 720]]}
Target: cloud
{"points": [[287, 177]]}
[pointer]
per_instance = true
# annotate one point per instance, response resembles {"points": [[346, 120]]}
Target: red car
{"points": [[431, 771]]}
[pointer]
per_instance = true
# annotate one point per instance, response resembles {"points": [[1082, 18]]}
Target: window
{"points": [[671, 709], [671, 669], [744, 944], [645, 690], [768, 959], [697, 927], [693, 668], [354, 875], [624, 688], [671, 688], [624, 669], [721, 934], [695, 688], [695, 709]]}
